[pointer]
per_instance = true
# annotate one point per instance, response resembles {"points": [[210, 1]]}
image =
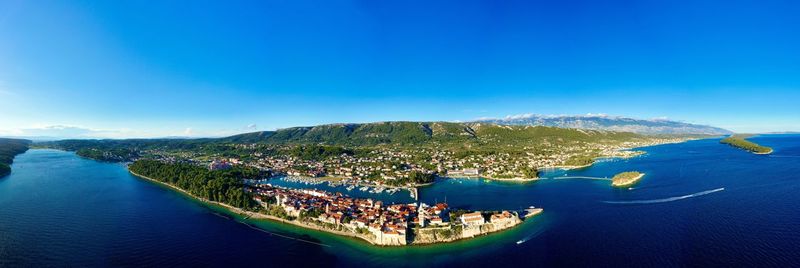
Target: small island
{"points": [[626, 179], [739, 141]]}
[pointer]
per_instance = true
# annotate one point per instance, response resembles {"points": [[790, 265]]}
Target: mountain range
{"points": [[611, 123]]}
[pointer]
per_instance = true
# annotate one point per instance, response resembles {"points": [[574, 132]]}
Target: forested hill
{"points": [[9, 148], [417, 133], [412, 135], [611, 123]]}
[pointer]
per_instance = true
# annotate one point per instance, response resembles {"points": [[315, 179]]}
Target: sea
{"points": [[700, 204]]}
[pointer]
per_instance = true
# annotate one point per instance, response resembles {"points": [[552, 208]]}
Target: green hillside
{"points": [[421, 133], [460, 138], [9, 148]]}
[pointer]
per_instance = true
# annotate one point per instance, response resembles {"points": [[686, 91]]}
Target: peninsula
{"points": [[9, 148], [626, 179], [371, 220], [739, 141]]}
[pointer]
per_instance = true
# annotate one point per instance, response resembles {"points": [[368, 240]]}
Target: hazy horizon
{"points": [[152, 69], [75, 132]]}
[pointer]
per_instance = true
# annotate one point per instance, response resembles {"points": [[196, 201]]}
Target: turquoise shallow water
{"points": [[700, 204]]}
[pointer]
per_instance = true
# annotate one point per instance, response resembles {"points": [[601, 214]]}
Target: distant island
{"points": [[739, 141], [626, 179], [9, 148]]}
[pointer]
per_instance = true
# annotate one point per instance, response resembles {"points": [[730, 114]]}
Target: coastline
{"points": [[768, 152], [256, 215], [516, 179]]}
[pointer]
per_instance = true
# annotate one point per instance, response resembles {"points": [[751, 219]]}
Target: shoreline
{"points": [[516, 179], [769, 152], [253, 215], [256, 215]]}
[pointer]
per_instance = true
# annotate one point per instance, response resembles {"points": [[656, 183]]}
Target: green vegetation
{"points": [[414, 178], [625, 179], [581, 160], [317, 152], [739, 141], [384, 153], [108, 155], [325, 141], [223, 186], [529, 172], [311, 213], [421, 133], [9, 148]]}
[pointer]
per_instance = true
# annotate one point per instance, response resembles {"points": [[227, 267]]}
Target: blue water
{"points": [[700, 204]]}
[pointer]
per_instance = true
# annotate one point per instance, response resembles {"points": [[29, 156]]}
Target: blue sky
{"points": [[203, 68]]}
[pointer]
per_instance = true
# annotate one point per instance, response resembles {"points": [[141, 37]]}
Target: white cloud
{"points": [[661, 118], [518, 116], [70, 132], [56, 132], [482, 118], [251, 127]]}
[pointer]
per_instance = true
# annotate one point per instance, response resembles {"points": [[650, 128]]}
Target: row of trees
{"points": [[9, 148], [225, 186]]}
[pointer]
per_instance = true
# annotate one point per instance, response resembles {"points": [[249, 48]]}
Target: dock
{"points": [[530, 212]]}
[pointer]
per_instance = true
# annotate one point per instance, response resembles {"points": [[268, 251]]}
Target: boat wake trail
{"points": [[283, 236], [220, 215], [663, 200]]}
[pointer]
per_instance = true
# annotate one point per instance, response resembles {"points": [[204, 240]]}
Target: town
{"points": [[399, 167], [376, 222]]}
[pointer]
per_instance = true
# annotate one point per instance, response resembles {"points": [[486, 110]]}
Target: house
{"points": [[501, 218], [219, 165], [436, 220], [474, 218]]}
